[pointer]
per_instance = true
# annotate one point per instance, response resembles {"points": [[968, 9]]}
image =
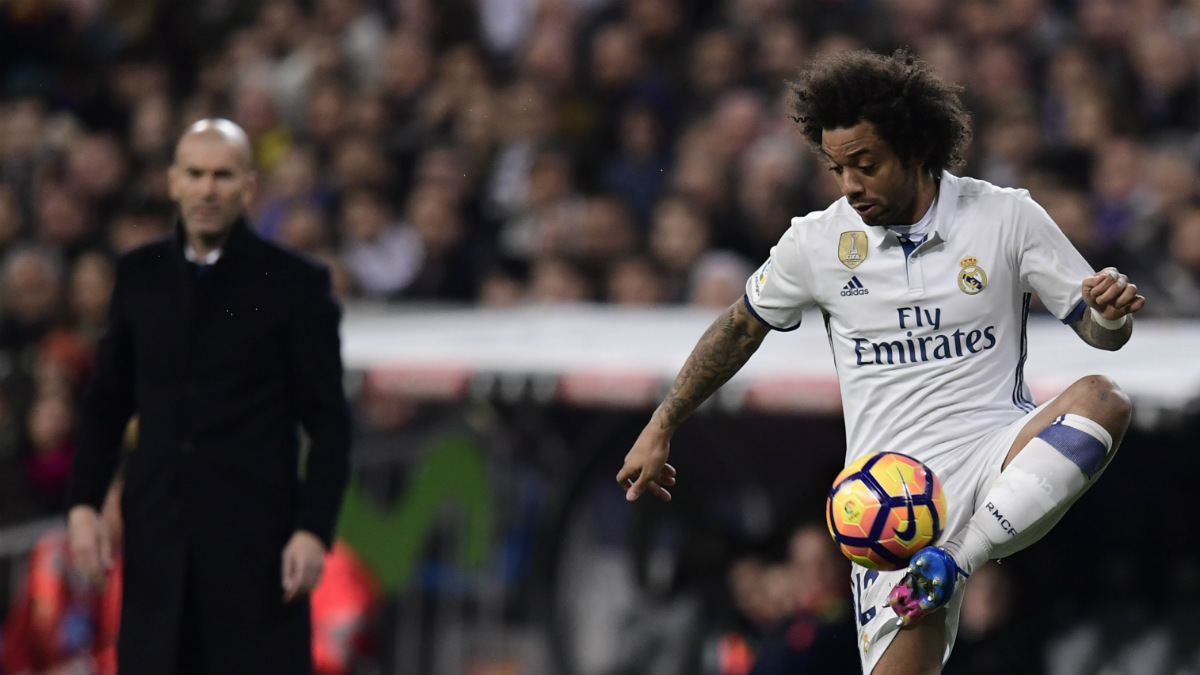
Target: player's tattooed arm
{"points": [[1100, 337], [723, 349]]}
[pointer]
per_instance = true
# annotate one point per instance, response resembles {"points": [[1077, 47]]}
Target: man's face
{"points": [[212, 183], [872, 177]]}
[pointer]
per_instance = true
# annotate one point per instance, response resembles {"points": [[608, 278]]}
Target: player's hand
{"points": [[91, 544], [646, 467], [1110, 293], [303, 561]]}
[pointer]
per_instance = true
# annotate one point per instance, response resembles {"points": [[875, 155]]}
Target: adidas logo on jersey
{"points": [[854, 287]]}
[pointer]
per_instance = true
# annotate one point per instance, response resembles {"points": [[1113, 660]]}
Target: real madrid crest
{"points": [[971, 279], [852, 249]]}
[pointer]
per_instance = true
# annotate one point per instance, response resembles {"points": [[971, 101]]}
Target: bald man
{"points": [[224, 346]]}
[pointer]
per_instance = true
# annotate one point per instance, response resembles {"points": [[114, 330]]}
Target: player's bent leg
{"points": [[1053, 461], [915, 650]]}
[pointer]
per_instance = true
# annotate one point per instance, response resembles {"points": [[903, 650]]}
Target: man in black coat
{"points": [[224, 346]]}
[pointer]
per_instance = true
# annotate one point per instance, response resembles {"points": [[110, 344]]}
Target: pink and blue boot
{"points": [[928, 586]]}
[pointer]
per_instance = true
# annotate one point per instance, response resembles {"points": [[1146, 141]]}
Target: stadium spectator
{"points": [[255, 105], [635, 280], [358, 160], [815, 632], [96, 170], [768, 186], [304, 229], [51, 423], [718, 279], [446, 269], [295, 181], [1072, 210], [779, 45], [549, 208], [64, 222], [24, 151], [1170, 181], [614, 69], [382, 255], [33, 285], [406, 69], [223, 346], [1167, 95], [150, 129], [700, 176], [524, 125], [604, 233], [1175, 279], [137, 222], [89, 288], [1114, 189], [637, 170], [1009, 142], [500, 287], [679, 236], [716, 65], [555, 280]]}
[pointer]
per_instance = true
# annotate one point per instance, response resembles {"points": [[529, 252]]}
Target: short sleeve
{"points": [[779, 291], [1048, 263]]}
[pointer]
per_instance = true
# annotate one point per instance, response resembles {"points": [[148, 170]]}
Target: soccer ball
{"points": [[883, 508]]}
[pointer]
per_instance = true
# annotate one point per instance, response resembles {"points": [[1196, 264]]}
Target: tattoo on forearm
{"points": [[1099, 336], [722, 351]]}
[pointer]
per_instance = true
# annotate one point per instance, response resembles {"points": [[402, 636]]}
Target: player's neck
{"points": [[918, 230], [927, 190]]}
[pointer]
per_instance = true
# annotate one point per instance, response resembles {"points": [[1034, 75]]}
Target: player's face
{"points": [[873, 178], [212, 183]]}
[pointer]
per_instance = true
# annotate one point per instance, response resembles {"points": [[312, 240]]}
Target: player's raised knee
{"points": [[1101, 399], [1107, 394]]}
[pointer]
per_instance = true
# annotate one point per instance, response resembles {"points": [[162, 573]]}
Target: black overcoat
{"points": [[222, 371]]}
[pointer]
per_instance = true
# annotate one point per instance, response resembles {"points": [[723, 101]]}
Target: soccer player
{"points": [[924, 281]]}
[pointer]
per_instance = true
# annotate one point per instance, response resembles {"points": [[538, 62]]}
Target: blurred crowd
{"points": [[538, 151]]}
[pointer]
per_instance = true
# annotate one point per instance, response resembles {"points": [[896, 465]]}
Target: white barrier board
{"points": [[608, 355]]}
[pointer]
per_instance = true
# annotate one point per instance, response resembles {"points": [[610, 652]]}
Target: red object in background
{"points": [[343, 603], [734, 654], [58, 617]]}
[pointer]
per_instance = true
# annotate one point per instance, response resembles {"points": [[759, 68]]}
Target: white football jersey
{"points": [[929, 347]]}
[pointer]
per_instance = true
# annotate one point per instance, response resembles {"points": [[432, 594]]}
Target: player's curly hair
{"points": [[917, 113]]}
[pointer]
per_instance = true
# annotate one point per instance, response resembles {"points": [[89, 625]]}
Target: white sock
{"points": [[1050, 470]]}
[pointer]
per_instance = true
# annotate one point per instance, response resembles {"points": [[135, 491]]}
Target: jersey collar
{"points": [[943, 221]]}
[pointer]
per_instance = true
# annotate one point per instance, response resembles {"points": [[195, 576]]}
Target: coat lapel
{"points": [[185, 278], [200, 297]]}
